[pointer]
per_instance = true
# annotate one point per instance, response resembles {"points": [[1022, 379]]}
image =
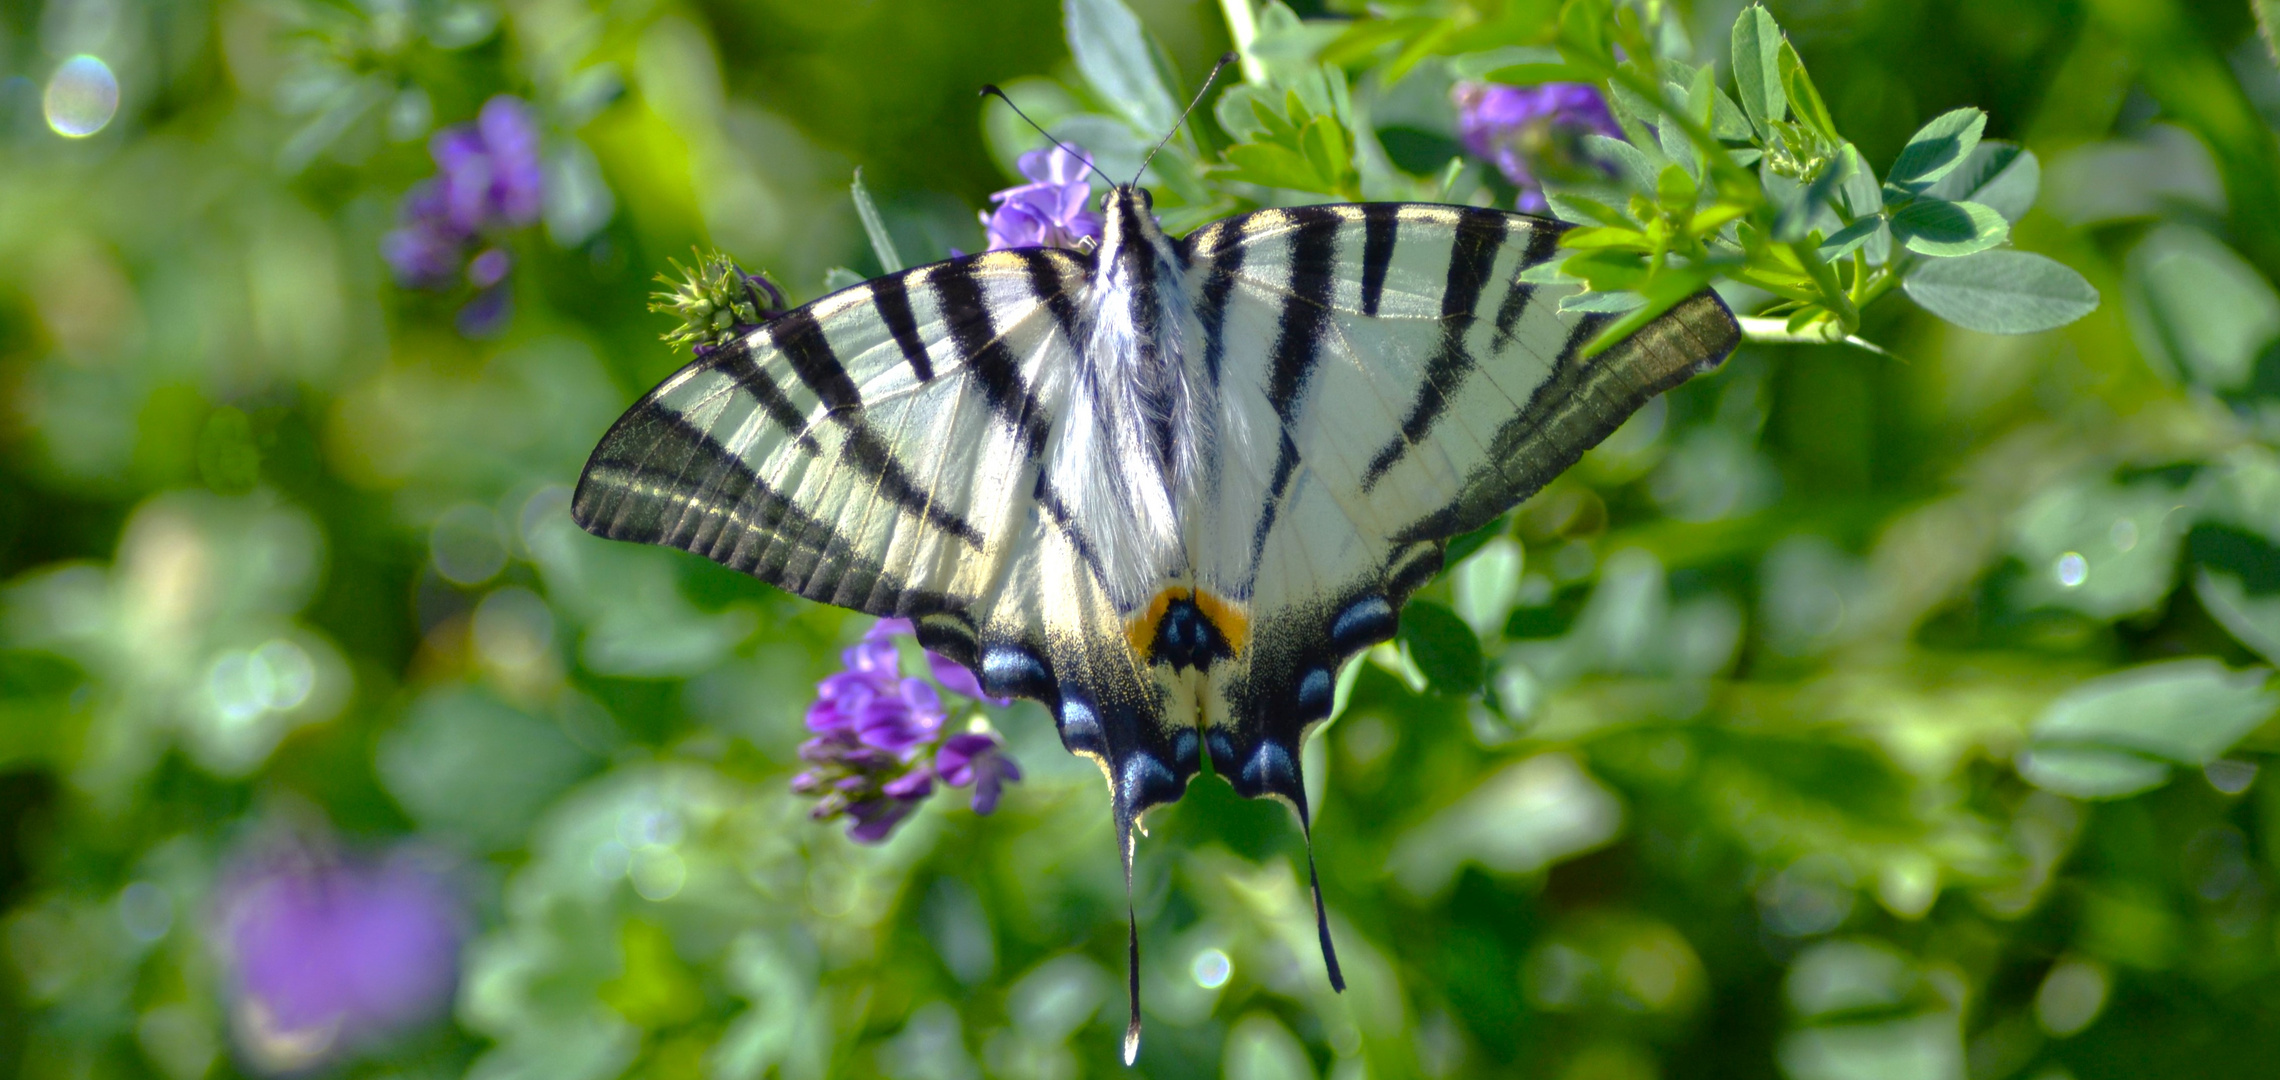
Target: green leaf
{"points": [[1948, 229], [874, 226], [1601, 303], [2002, 292], [2188, 712], [1442, 646], [1462, 545], [1757, 68], [1936, 150], [1850, 237], [1804, 98], [2091, 772], [1274, 165], [1118, 60], [1636, 167], [1532, 74], [2197, 308], [2003, 175]]}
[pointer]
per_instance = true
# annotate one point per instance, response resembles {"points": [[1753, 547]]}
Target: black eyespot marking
{"points": [[1186, 638]]}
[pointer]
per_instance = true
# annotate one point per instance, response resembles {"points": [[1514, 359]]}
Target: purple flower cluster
{"points": [[326, 954], [488, 180], [1053, 210], [881, 743], [1530, 131]]}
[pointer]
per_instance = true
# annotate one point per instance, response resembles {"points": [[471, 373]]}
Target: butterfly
{"points": [[1167, 487]]}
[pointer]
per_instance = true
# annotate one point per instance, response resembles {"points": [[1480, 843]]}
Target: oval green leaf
{"points": [[2003, 291], [1949, 229], [1936, 149], [1442, 646]]}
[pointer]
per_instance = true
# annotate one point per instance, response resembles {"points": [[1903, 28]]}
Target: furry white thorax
{"points": [[1133, 393]]}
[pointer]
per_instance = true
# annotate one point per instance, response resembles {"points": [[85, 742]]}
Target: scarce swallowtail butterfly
{"points": [[1168, 488]]}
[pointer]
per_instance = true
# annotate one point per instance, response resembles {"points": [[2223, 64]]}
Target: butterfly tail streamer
{"points": [[1124, 839], [1314, 884], [1321, 915]]}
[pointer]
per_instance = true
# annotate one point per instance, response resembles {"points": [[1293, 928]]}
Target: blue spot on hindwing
{"points": [[1013, 671], [1316, 691], [1080, 727], [1364, 622]]}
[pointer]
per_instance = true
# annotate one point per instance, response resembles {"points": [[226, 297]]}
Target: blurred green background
{"points": [[1843, 716]]}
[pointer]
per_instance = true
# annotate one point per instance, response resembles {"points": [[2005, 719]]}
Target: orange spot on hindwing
{"points": [[1188, 628]]}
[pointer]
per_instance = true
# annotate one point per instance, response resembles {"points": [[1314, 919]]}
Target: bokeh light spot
{"points": [[81, 97], [1211, 969], [2071, 569], [468, 544]]}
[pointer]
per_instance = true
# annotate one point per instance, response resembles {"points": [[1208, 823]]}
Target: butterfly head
{"points": [[1129, 235]]}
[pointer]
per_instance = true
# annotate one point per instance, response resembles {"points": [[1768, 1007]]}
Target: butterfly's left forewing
{"points": [[864, 450], [1398, 384]]}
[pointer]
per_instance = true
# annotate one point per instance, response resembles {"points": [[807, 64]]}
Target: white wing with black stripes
{"points": [[857, 450]]}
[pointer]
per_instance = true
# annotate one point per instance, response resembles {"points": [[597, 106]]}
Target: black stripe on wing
{"points": [[1305, 318], [1220, 271], [1480, 236], [1381, 223], [975, 335], [804, 344], [1582, 402], [891, 296], [658, 479]]}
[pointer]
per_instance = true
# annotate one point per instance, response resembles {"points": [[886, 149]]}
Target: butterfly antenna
{"points": [[991, 90], [1224, 60]]}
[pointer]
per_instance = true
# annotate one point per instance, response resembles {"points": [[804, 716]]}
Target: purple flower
{"points": [[1053, 210], [327, 954], [898, 721], [882, 739], [1528, 130], [977, 759], [488, 180]]}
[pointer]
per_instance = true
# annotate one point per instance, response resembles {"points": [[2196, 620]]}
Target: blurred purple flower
{"points": [[1526, 131], [1053, 210], [977, 759], [326, 954], [882, 740], [488, 180]]}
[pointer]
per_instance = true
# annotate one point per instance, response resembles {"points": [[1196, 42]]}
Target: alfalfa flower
{"points": [[882, 739], [327, 953], [1529, 132], [1054, 209], [488, 180]]}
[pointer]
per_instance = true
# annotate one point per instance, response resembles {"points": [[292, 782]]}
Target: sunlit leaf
{"points": [[2002, 291]]}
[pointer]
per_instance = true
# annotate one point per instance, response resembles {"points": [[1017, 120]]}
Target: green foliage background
{"points": [[1843, 716]]}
